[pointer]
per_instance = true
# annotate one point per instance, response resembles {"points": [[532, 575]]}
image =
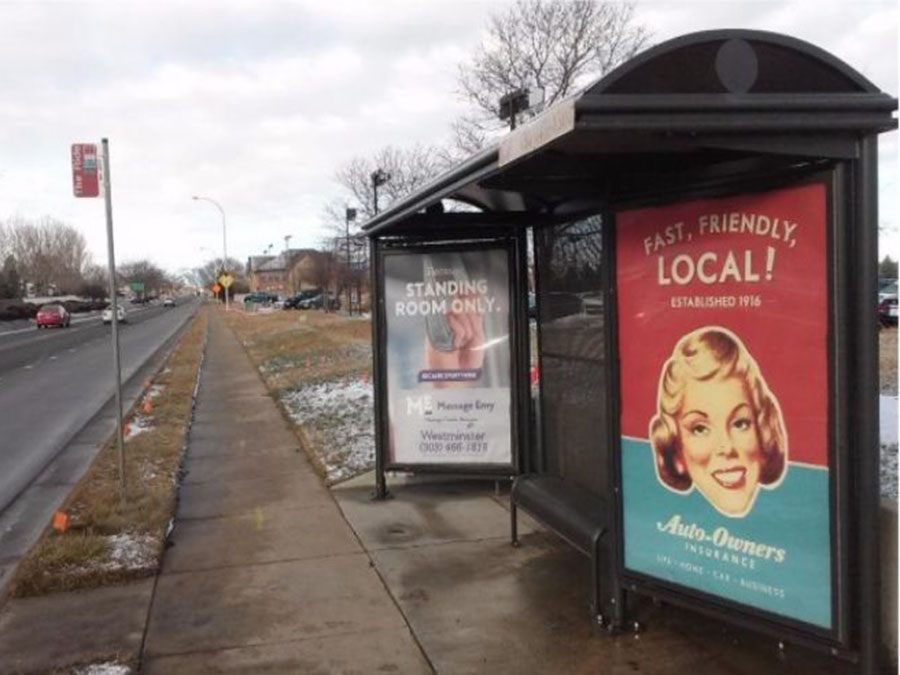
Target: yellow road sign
{"points": [[226, 280]]}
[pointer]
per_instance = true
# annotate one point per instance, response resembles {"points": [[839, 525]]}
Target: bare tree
{"points": [[49, 254], [406, 169], [207, 275], [95, 283], [555, 45], [153, 278], [324, 270]]}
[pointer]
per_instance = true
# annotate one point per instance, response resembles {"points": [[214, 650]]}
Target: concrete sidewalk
{"points": [[271, 572], [264, 573], [478, 605]]}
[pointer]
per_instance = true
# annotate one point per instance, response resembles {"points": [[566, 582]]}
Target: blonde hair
{"points": [[705, 354]]}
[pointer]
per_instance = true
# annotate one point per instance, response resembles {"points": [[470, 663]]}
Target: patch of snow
{"points": [[889, 471], [131, 551], [155, 391], [138, 425], [888, 416], [107, 668], [339, 415]]}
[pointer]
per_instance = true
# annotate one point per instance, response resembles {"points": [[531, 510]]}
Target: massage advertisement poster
{"points": [[722, 314], [448, 356]]}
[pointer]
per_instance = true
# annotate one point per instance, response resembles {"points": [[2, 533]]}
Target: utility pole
{"points": [[350, 215], [288, 285]]}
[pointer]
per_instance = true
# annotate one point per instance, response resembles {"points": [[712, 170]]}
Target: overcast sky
{"points": [[256, 104]]}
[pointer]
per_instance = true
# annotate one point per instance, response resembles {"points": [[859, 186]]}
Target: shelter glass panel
{"points": [[574, 368]]}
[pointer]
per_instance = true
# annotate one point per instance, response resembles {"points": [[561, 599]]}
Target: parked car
{"points": [[887, 311], [53, 315], [122, 315], [294, 301], [168, 302], [320, 301], [261, 297]]}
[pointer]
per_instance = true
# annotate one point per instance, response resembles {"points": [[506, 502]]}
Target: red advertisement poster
{"points": [[723, 339], [85, 177]]}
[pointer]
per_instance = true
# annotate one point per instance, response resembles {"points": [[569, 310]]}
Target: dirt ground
{"points": [[887, 338], [297, 347]]}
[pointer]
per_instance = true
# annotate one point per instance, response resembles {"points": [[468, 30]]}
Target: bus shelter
{"points": [[699, 228]]}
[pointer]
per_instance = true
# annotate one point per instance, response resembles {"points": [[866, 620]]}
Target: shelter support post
{"points": [[864, 292], [378, 378]]}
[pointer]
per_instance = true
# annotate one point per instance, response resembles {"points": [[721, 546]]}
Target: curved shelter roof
{"points": [[714, 97]]}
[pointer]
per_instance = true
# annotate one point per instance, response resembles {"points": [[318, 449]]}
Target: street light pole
{"points": [[224, 238], [379, 177]]}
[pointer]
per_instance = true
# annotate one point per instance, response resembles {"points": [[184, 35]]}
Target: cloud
{"points": [[257, 104]]}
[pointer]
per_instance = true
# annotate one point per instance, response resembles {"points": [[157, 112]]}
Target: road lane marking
{"points": [[30, 329]]}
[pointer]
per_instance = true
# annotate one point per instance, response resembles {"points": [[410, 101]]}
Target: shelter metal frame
{"points": [[464, 239], [710, 113]]}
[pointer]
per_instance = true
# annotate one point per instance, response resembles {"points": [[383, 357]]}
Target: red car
{"points": [[53, 315]]}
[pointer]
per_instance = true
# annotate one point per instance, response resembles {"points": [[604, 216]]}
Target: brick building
{"points": [[286, 273]]}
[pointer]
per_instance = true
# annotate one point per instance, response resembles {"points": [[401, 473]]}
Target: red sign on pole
{"points": [[85, 176]]}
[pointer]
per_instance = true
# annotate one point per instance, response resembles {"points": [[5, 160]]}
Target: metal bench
{"points": [[580, 517]]}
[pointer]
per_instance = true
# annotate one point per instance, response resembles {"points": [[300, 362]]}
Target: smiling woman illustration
{"points": [[717, 427]]}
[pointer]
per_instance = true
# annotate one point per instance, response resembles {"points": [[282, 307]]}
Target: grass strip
{"points": [[316, 359], [107, 542]]}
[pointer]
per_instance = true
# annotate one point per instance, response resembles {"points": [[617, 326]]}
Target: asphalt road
{"points": [[53, 381]]}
